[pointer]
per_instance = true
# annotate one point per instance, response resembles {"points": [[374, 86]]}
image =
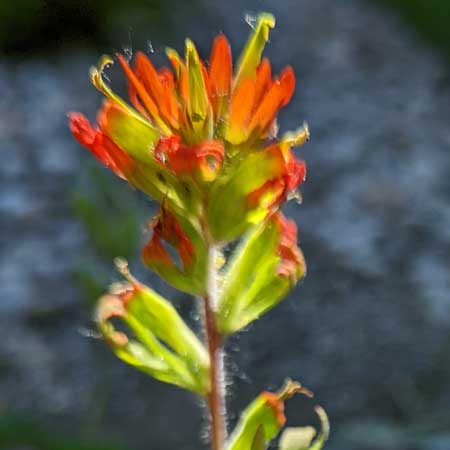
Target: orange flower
{"points": [[198, 129], [206, 157]]}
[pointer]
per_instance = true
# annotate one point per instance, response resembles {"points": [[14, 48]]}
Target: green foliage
{"points": [[18, 431], [163, 345], [210, 191], [252, 284], [108, 214], [50, 24], [110, 218], [261, 421], [431, 19], [257, 426]]}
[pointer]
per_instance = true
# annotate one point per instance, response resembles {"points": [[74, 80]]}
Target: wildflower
{"points": [[201, 136], [201, 139]]}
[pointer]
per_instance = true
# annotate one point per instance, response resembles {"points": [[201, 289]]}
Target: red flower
{"points": [[206, 157]]}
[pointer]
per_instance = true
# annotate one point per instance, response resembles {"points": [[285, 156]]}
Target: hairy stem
{"points": [[216, 397]]}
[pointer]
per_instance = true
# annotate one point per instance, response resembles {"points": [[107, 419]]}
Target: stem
{"points": [[216, 397]]}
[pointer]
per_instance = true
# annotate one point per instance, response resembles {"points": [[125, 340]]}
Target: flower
{"points": [[201, 136]]}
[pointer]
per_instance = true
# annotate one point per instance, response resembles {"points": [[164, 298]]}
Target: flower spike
{"points": [[201, 139]]}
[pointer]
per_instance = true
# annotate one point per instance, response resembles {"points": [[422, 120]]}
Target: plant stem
{"points": [[216, 397]]}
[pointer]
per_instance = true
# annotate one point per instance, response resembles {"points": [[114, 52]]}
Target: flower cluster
{"points": [[201, 139]]}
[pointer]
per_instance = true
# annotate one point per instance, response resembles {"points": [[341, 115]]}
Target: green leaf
{"points": [[251, 54], [163, 345], [108, 213], [258, 417], [252, 283], [22, 431], [302, 438], [263, 418]]}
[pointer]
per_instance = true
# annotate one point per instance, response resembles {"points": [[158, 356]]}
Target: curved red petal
{"points": [[278, 95], [220, 70], [101, 146]]}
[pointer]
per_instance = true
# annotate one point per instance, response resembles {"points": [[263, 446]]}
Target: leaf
{"points": [[253, 280], [251, 54], [163, 345], [262, 419], [301, 438]]}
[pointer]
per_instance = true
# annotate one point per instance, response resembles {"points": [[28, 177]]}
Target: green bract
{"points": [[262, 420], [163, 345], [252, 283]]}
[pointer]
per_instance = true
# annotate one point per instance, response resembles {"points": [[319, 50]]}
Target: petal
{"points": [[173, 107], [263, 80], [144, 96], [206, 158], [278, 95], [220, 72], [102, 147], [162, 94], [240, 110]]}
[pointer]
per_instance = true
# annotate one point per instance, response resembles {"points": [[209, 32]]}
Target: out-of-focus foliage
{"points": [[110, 218], [108, 213], [16, 431], [431, 18], [49, 24], [46, 24]]}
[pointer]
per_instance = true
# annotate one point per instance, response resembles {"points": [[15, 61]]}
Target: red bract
{"points": [[292, 263]]}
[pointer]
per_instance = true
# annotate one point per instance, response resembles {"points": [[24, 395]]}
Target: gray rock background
{"points": [[368, 330]]}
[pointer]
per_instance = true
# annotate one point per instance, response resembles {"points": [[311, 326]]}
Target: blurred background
{"points": [[368, 330]]}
